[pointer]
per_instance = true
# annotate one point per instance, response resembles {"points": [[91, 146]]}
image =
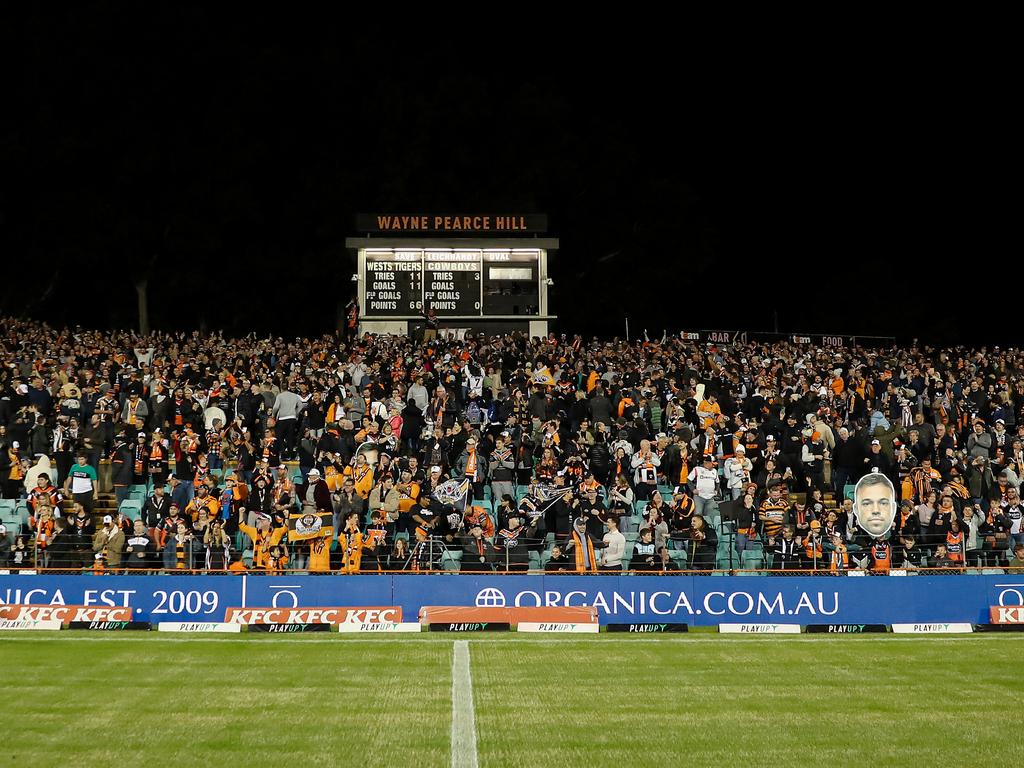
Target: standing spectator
{"points": [[704, 479], [262, 537], [81, 531], [738, 471], [121, 468], [979, 443], [473, 467], [178, 546], [502, 470], [108, 541], [81, 483], [703, 545], [217, 545], [614, 547], [286, 412]]}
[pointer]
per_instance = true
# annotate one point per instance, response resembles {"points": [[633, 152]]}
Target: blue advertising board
{"points": [[693, 600]]}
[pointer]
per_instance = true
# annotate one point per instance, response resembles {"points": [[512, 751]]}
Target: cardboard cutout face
{"points": [[874, 504]]}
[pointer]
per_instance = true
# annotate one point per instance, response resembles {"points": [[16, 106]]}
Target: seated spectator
{"points": [[646, 557], [478, 554], [786, 551], [942, 561], [21, 555], [512, 545], [140, 549], [908, 555], [559, 562]]}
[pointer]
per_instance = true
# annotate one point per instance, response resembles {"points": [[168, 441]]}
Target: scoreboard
{"points": [[406, 282], [394, 284], [451, 282]]}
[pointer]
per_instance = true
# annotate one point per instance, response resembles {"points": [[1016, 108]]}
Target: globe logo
{"points": [[490, 598]]}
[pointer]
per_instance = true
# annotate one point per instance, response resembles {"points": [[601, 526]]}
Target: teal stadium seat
{"points": [[131, 509]]}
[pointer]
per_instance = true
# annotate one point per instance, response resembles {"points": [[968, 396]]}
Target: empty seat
{"points": [[131, 508]]}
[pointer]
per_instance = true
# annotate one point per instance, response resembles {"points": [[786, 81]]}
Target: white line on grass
{"points": [[463, 717]]}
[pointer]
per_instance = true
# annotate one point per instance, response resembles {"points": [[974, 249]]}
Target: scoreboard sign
{"points": [[394, 283], [451, 282], [406, 282]]}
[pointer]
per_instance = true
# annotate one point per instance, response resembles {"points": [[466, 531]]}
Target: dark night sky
{"points": [[693, 182]]}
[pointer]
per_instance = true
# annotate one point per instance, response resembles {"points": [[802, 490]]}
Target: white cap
{"points": [[313, 472], [108, 519], [16, 444], [876, 442], [434, 469], [770, 437], [740, 449]]}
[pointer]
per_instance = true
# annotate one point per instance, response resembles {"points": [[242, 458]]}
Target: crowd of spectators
{"points": [[648, 455]]}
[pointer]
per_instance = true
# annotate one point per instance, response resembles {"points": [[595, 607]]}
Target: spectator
{"points": [[645, 463], [108, 541], [1016, 565], [943, 563], [705, 480], [512, 545], [81, 531], [477, 553], [81, 483], [348, 501], [646, 557], [140, 549], [738, 471], [178, 548], [262, 536], [614, 548], [703, 545], [5, 547], [786, 551], [559, 562]]}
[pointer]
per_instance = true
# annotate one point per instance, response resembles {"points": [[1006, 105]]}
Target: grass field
{"points": [[73, 699]]}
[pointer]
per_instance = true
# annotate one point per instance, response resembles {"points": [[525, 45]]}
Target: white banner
{"points": [[931, 629], [379, 626], [19, 624], [759, 629], [549, 626], [197, 626]]}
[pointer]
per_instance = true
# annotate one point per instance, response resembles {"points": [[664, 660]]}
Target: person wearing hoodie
{"points": [[286, 414]]}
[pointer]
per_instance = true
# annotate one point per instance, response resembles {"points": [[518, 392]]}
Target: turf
{"points": [[608, 700]]}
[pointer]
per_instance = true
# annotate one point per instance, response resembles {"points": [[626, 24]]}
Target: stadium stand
{"points": [[365, 454]]}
